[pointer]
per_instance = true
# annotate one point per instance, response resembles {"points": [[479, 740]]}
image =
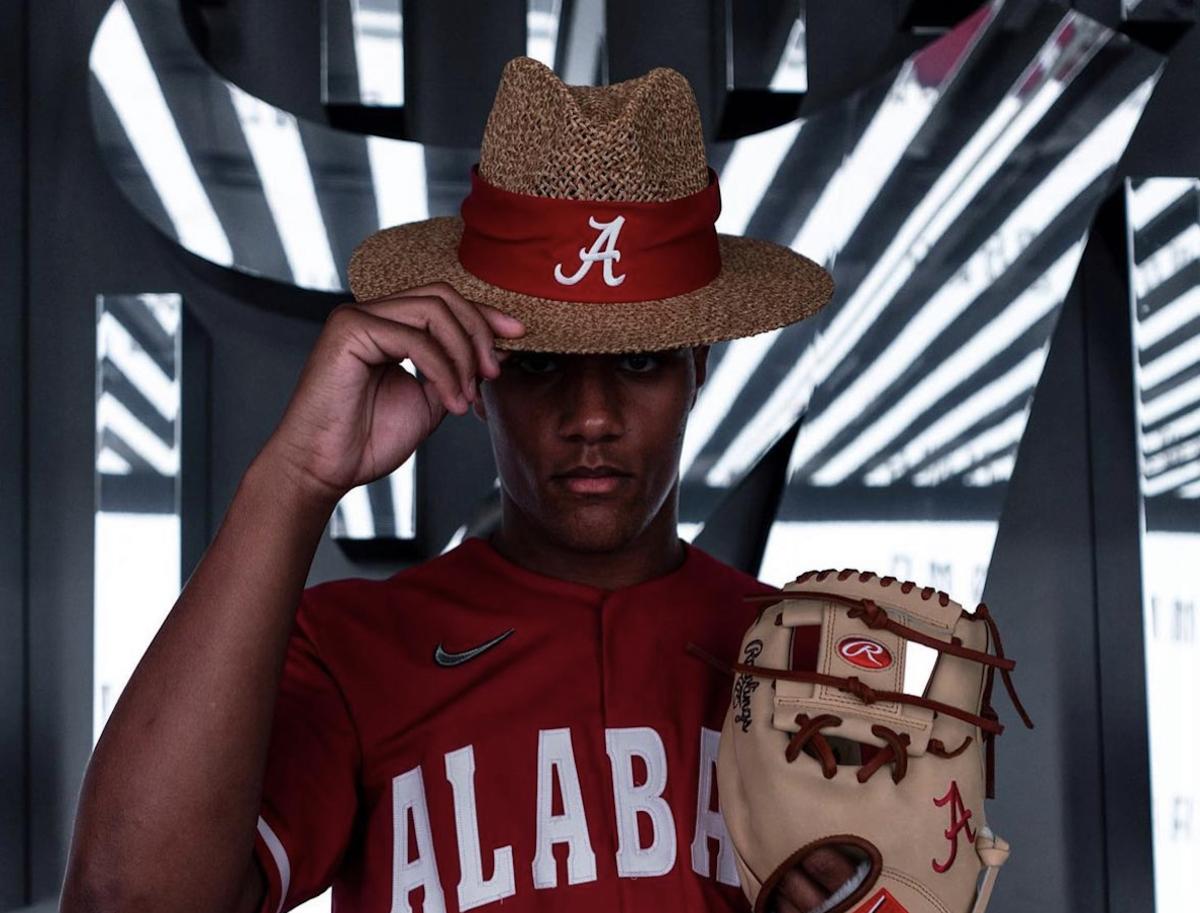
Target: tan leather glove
{"points": [[869, 752]]}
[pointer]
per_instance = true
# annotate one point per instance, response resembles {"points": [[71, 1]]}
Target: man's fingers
{"points": [[391, 340], [433, 315], [497, 320], [504, 323], [465, 314], [829, 867], [797, 892], [480, 321], [783, 905]]}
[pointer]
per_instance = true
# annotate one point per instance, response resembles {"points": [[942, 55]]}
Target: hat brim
{"points": [[761, 286]]}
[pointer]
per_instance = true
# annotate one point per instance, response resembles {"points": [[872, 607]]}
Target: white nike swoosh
{"points": [[443, 658]]}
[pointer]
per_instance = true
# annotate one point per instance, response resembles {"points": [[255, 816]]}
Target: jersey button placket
{"points": [[611, 633]]}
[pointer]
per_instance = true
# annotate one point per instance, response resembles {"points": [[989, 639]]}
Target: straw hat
{"points": [[591, 218]]}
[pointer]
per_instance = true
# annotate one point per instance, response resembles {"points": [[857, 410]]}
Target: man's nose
{"points": [[592, 409]]}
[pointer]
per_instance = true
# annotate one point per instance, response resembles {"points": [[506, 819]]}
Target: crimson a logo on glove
{"points": [[864, 653]]}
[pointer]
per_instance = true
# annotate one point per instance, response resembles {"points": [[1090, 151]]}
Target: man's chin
{"points": [[596, 530]]}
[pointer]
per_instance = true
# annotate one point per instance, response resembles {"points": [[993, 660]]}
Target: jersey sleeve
{"points": [[309, 786]]}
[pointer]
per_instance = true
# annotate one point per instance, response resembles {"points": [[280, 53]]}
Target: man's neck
{"points": [[658, 550]]}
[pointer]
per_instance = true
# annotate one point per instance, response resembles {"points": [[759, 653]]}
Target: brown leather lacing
{"points": [[700, 653], [896, 752], [868, 695], [876, 618], [906, 586], [810, 733], [938, 747], [982, 613]]}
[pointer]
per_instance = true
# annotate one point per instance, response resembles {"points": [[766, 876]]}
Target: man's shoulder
{"points": [[449, 575], [462, 561], [712, 570], [365, 595]]}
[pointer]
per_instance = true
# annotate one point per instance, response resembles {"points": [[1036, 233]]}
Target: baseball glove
{"points": [[863, 753]]}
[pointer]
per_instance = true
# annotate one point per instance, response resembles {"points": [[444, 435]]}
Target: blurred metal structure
{"points": [[950, 201], [947, 160], [1164, 240]]}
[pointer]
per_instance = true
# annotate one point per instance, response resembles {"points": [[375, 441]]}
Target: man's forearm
{"points": [[171, 795]]}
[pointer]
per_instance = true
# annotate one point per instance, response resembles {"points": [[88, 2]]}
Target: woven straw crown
{"points": [[640, 140]]}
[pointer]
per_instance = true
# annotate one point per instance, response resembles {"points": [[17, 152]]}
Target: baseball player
{"points": [[517, 723]]}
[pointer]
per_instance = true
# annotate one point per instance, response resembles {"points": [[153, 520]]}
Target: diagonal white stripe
{"points": [[279, 854], [121, 66]]}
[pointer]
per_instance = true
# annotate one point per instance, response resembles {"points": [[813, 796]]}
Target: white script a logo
{"points": [[603, 248]]}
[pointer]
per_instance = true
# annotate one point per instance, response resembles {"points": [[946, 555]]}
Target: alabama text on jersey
{"points": [[471, 735]]}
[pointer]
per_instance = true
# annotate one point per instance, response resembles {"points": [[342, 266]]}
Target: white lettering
{"points": [[634, 860], [408, 797], [603, 248], [555, 754], [473, 889], [709, 823]]}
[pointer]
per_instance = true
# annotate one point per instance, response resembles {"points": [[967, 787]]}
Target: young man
{"points": [[516, 721]]}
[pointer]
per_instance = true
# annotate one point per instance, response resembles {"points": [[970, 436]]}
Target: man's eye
{"points": [[536, 363], [639, 362]]}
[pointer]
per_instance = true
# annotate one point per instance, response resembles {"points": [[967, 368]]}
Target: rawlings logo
{"points": [[745, 685], [864, 653], [960, 820], [603, 248]]}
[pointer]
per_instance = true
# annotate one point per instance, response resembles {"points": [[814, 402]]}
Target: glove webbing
{"points": [[868, 695], [877, 618]]}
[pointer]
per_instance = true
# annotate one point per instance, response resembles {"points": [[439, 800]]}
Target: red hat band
{"points": [[586, 250]]}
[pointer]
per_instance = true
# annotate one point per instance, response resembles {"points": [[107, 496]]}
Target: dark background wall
{"points": [[13, 576], [69, 234]]}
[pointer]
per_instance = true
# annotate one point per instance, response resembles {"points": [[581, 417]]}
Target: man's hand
{"points": [[356, 414], [810, 882]]}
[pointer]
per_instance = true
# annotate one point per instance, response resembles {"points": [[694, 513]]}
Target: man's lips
{"points": [[593, 480], [592, 472], [593, 485]]}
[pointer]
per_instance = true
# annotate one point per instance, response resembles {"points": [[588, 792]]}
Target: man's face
{"points": [[553, 417]]}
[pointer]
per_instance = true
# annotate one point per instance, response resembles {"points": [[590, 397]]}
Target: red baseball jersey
{"points": [[472, 734]]}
